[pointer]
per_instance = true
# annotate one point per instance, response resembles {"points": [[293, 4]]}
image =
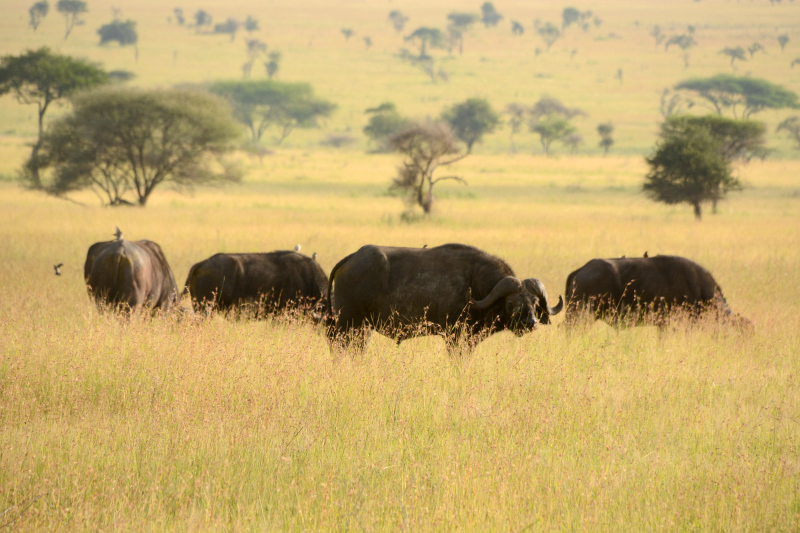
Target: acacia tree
{"points": [[782, 40], [72, 11], [38, 11], [734, 53], [471, 120], [264, 104], [459, 24], [124, 143], [424, 37], [725, 91], [426, 146], [40, 77]]}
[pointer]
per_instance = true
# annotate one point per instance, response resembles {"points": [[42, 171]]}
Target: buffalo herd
{"points": [[456, 291]]}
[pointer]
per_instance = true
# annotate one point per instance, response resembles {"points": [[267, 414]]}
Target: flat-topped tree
{"points": [[752, 95], [425, 37], [459, 24], [266, 104], [782, 40], [734, 53], [123, 33], [72, 11]]}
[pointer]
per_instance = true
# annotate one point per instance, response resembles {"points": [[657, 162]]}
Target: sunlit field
{"points": [[190, 423]]}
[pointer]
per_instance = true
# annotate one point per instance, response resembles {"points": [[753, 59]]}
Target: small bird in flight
{"points": [[118, 233], [57, 268]]}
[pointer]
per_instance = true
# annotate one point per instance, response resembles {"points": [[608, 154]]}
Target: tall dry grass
{"points": [[206, 424]]}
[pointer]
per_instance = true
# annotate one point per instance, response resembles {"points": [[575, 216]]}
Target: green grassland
{"points": [[196, 424]]}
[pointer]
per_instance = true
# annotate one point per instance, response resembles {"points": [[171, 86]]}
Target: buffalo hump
{"points": [[130, 273], [453, 290]]}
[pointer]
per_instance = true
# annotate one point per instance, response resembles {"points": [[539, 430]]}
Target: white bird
{"points": [[118, 233], [57, 268], [297, 247]]}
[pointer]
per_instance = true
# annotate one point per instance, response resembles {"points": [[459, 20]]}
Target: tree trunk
{"points": [[698, 212]]}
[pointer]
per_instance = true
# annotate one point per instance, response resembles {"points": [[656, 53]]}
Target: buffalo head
{"points": [[525, 303]]}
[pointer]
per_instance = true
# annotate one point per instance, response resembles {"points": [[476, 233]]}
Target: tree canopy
{"points": [[124, 143], [549, 33], [398, 20], [264, 104], [689, 166], [41, 77], [471, 120], [123, 33], [37, 12], [752, 95], [489, 15], [791, 126], [424, 37], [738, 140]]}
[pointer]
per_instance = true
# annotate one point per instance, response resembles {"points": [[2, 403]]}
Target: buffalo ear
{"points": [[502, 288]]}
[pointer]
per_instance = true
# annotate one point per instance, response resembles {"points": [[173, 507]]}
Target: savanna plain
{"points": [[195, 423]]}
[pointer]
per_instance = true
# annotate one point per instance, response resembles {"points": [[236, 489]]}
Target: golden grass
{"points": [[201, 424], [209, 424]]}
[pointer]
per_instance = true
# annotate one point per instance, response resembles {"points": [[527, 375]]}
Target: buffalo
{"points": [[275, 280], [454, 290], [645, 289], [132, 274]]}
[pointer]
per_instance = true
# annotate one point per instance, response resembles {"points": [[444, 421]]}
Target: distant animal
{"points": [[643, 289], [314, 256], [57, 268], [118, 234], [129, 274], [645, 254], [277, 280], [297, 247], [454, 290]]}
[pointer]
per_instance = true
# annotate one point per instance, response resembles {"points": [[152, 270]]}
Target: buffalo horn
{"points": [[537, 288], [503, 288]]}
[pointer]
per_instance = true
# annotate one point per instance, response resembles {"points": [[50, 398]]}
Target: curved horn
{"points": [[537, 288], [503, 288]]}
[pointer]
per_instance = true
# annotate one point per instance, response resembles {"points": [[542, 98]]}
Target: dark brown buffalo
{"points": [[130, 274], [643, 289], [274, 280], [453, 290]]}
